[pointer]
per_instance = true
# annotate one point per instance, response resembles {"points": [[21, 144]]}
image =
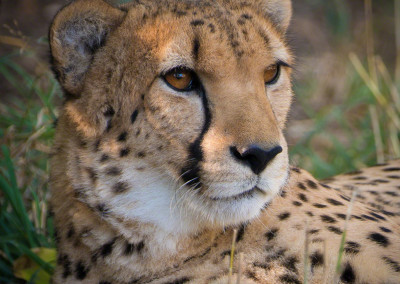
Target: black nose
{"points": [[256, 157]]}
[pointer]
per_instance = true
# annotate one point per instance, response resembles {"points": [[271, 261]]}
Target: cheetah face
{"points": [[187, 102]]}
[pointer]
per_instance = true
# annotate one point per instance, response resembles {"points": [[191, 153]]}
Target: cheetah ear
{"points": [[77, 32], [279, 12]]}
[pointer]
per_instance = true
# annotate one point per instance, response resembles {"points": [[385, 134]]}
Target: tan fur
{"points": [[145, 186]]}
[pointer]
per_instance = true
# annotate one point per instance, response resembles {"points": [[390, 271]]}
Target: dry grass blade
{"points": [[397, 31], [232, 256], [240, 268], [380, 156], [341, 248]]}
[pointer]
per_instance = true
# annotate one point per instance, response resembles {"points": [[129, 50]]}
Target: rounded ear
{"points": [[279, 12], [77, 32]]}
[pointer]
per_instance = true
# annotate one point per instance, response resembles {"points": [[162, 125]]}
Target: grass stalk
{"points": [[232, 256]]}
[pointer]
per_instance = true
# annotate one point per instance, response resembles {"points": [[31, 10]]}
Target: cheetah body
{"points": [[149, 182]]}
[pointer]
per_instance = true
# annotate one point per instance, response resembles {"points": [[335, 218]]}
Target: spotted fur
{"points": [[148, 183]]}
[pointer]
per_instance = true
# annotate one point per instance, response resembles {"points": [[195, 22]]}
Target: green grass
{"points": [[26, 133], [360, 130]]}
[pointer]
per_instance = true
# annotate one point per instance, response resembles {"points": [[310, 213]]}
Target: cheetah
{"points": [[169, 148]]}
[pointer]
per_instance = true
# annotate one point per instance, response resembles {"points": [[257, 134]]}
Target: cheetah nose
{"points": [[255, 156]]}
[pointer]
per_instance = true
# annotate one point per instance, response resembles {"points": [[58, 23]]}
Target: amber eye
{"points": [[180, 79], [271, 75]]}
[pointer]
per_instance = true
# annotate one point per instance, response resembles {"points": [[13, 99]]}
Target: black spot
{"points": [[178, 281], [344, 197], [71, 232], [250, 274], [352, 247], [328, 219], [391, 169], [120, 187], [386, 230], [212, 28], [369, 218], [124, 152], [106, 249], [246, 16], [301, 186], [196, 23], [360, 178], [391, 193], [325, 185], [113, 171], [276, 254], [134, 116], [240, 22], [312, 184], [394, 264], [104, 158], [348, 275], [335, 230], [317, 240], [283, 193], [196, 47], [122, 137], [97, 145], [109, 111], [104, 282], [341, 216], [296, 203], [377, 216], [271, 234], [66, 266], [130, 248], [309, 213], [109, 125], [102, 208], [380, 181], [334, 202], [313, 231], [356, 217], [141, 154], [290, 263], [284, 216], [138, 132], [240, 233], [318, 205], [379, 239], [303, 197], [317, 259], [92, 174], [296, 170], [81, 270], [264, 266], [387, 213], [287, 278]]}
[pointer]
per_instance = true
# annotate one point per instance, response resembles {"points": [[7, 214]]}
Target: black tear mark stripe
{"points": [[190, 172]]}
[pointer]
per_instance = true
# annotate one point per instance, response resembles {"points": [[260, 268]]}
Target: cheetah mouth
{"points": [[246, 194]]}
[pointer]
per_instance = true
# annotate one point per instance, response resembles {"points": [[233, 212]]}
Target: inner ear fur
{"points": [[77, 32], [279, 12]]}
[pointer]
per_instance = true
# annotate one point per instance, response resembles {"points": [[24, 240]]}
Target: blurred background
{"points": [[346, 113]]}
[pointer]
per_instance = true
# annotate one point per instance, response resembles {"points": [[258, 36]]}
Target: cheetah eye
{"points": [[180, 79], [271, 74]]}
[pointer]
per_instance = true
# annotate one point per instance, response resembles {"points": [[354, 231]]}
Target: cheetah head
{"points": [[174, 111]]}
